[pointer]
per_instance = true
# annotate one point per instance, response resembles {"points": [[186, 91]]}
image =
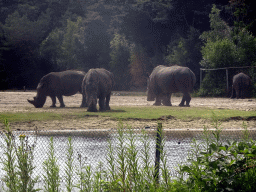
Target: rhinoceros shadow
{"points": [[116, 111], [70, 108]]}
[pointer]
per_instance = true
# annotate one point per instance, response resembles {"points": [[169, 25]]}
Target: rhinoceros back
{"points": [[172, 79], [65, 83], [99, 78]]}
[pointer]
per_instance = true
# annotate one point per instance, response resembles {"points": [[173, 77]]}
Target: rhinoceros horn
{"points": [[31, 101]]}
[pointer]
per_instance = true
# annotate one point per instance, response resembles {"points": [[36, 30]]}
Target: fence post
{"points": [[158, 151]]}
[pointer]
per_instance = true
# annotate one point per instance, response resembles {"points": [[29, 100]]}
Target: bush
{"points": [[215, 165]]}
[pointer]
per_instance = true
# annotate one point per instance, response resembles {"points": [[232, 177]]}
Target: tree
{"points": [[23, 36], [140, 68], [243, 12], [120, 61], [72, 47], [147, 24], [187, 52], [225, 47]]}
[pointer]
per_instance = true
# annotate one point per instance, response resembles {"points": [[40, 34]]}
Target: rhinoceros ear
{"points": [[41, 85]]}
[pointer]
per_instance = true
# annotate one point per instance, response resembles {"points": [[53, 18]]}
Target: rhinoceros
{"points": [[57, 84], [164, 81], [97, 83], [241, 86]]}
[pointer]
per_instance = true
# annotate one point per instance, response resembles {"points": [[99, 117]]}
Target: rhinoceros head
{"points": [[40, 98], [150, 96], [91, 99]]}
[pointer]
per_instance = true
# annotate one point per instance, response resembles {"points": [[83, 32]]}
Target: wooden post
{"points": [[158, 151]]}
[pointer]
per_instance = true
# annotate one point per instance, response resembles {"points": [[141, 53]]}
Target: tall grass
{"points": [[69, 170], [51, 169], [17, 163], [214, 164]]}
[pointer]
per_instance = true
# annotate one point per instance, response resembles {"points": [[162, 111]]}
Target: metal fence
{"points": [[91, 146]]}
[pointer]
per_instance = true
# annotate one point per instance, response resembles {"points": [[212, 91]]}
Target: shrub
{"points": [[215, 165]]}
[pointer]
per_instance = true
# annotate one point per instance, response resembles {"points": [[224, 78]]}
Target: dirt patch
{"points": [[17, 102]]}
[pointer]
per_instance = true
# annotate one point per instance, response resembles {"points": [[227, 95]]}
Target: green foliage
{"points": [[119, 64], [51, 169], [218, 165], [25, 166], [51, 46], [21, 31], [8, 160], [242, 12], [186, 52], [140, 68], [224, 47], [69, 166], [128, 174], [79, 45], [219, 28], [18, 163], [65, 46], [219, 54]]}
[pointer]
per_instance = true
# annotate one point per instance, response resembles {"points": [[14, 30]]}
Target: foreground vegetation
{"points": [[213, 164], [144, 112]]}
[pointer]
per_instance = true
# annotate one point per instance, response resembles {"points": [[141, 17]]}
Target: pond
{"points": [[92, 147]]}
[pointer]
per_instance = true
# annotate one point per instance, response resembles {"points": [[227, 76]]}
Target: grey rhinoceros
{"points": [[164, 81], [57, 84], [241, 86], [97, 83]]}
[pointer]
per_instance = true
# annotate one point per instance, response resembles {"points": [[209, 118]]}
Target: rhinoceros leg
{"points": [[167, 100], [182, 102], [107, 102], [84, 103], [61, 100], [158, 101], [102, 103], [237, 93], [186, 97], [92, 107], [232, 93], [53, 101], [243, 93]]}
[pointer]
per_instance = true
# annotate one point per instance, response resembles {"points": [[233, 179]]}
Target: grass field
{"points": [[134, 112]]}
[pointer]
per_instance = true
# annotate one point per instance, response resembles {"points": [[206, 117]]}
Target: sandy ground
{"points": [[17, 102]]}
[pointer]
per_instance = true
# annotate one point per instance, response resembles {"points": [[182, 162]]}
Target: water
{"points": [[93, 149]]}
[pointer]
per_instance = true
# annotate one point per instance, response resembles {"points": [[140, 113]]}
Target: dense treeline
{"points": [[128, 38]]}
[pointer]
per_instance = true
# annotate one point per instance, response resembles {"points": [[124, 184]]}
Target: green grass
{"points": [[22, 117], [135, 112]]}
